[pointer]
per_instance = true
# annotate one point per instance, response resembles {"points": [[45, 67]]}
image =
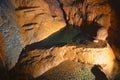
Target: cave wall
{"points": [[11, 33], [38, 19], [25, 22]]}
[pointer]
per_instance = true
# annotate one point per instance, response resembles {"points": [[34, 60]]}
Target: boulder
{"points": [[69, 70], [33, 63]]}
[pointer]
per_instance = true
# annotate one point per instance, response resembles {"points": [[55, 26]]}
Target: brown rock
{"points": [[36, 62], [87, 11], [28, 21], [91, 15], [113, 32], [38, 19], [2, 50], [3, 70]]}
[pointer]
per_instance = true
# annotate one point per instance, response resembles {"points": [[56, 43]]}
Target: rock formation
{"points": [[37, 37], [44, 59], [78, 71], [38, 19], [3, 68]]}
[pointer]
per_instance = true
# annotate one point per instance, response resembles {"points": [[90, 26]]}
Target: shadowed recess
{"points": [[99, 75]]}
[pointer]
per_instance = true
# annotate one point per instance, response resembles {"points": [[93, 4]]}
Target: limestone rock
{"points": [[38, 19], [34, 63], [90, 15], [69, 70], [28, 22], [11, 34], [87, 11], [23, 22], [3, 71]]}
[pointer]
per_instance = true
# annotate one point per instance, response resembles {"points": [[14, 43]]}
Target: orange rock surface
{"points": [[38, 19], [32, 30], [34, 63]]}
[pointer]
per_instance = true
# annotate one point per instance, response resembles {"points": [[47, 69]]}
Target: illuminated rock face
{"points": [[38, 19], [33, 28], [36, 62], [24, 22]]}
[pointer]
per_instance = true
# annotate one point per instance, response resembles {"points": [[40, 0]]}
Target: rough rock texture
{"points": [[69, 70], [24, 22], [32, 28], [114, 32], [34, 63], [36, 22], [2, 50], [87, 11], [3, 71], [93, 16], [38, 19], [11, 33]]}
